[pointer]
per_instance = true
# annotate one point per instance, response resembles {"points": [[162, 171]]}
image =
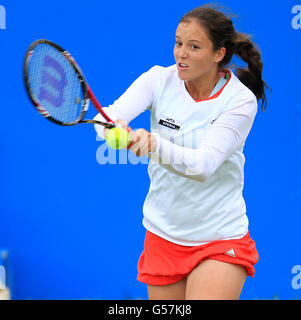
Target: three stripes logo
{"points": [[231, 253]]}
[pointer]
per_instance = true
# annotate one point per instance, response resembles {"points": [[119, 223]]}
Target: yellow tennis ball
{"points": [[117, 138]]}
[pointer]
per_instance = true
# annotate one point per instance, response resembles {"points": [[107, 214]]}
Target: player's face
{"points": [[193, 52]]}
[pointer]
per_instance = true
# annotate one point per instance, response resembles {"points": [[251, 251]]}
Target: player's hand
{"points": [[142, 143]]}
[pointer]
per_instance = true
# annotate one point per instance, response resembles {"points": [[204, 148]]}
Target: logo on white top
{"points": [[169, 123]]}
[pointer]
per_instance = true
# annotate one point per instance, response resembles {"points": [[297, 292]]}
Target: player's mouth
{"points": [[182, 66]]}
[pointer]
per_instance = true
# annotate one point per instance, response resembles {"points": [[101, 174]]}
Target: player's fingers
{"points": [[140, 142], [141, 148], [132, 136], [143, 151], [135, 150], [139, 136], [134, 142], [144, 143]]}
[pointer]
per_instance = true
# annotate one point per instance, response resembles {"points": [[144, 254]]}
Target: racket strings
{"points": [[54, 84]]}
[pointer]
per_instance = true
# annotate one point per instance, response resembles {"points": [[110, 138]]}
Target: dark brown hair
{"points": [[222, 33]]}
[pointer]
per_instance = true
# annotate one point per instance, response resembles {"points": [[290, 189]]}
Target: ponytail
{"points": [[251, 77]]}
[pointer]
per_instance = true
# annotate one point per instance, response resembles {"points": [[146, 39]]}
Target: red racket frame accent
{"points": [[97, 105]]}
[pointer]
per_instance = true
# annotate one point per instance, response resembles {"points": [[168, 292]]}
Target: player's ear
{"points": [[220, 54]]}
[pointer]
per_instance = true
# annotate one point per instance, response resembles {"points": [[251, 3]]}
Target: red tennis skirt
{"points": [[163, 262]]}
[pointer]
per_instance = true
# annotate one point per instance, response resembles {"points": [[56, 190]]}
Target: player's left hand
{"points": [[143, 142]]}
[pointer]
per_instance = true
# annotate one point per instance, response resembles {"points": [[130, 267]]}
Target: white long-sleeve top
{"points": [[197, 170]]}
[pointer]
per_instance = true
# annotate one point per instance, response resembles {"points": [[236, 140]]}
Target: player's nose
{"points": [[182, 53]]}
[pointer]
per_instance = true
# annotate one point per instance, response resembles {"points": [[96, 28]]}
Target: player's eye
{"points": [[178, 43], [195, 47]]}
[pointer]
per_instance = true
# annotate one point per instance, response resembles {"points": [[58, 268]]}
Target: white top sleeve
{"points": [[136, 99], [225, 136]]}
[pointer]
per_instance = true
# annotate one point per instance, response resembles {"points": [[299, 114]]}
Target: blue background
{"points": [[68, 236]]}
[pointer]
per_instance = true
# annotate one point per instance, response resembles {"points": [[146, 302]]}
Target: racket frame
{"points": [[86, 90]]}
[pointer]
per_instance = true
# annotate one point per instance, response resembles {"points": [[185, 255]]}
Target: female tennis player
{"points": [[197, 243]]}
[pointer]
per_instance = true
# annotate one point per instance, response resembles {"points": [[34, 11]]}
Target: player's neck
{"points": [[201, 88]]}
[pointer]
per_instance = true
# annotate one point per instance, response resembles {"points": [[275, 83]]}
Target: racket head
{"points": [[54, 83]]}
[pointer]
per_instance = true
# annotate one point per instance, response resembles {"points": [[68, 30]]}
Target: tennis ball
{"points": [[117, 138]]}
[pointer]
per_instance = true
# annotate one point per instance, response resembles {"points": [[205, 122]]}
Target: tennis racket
{"points": [[56, 86]]}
